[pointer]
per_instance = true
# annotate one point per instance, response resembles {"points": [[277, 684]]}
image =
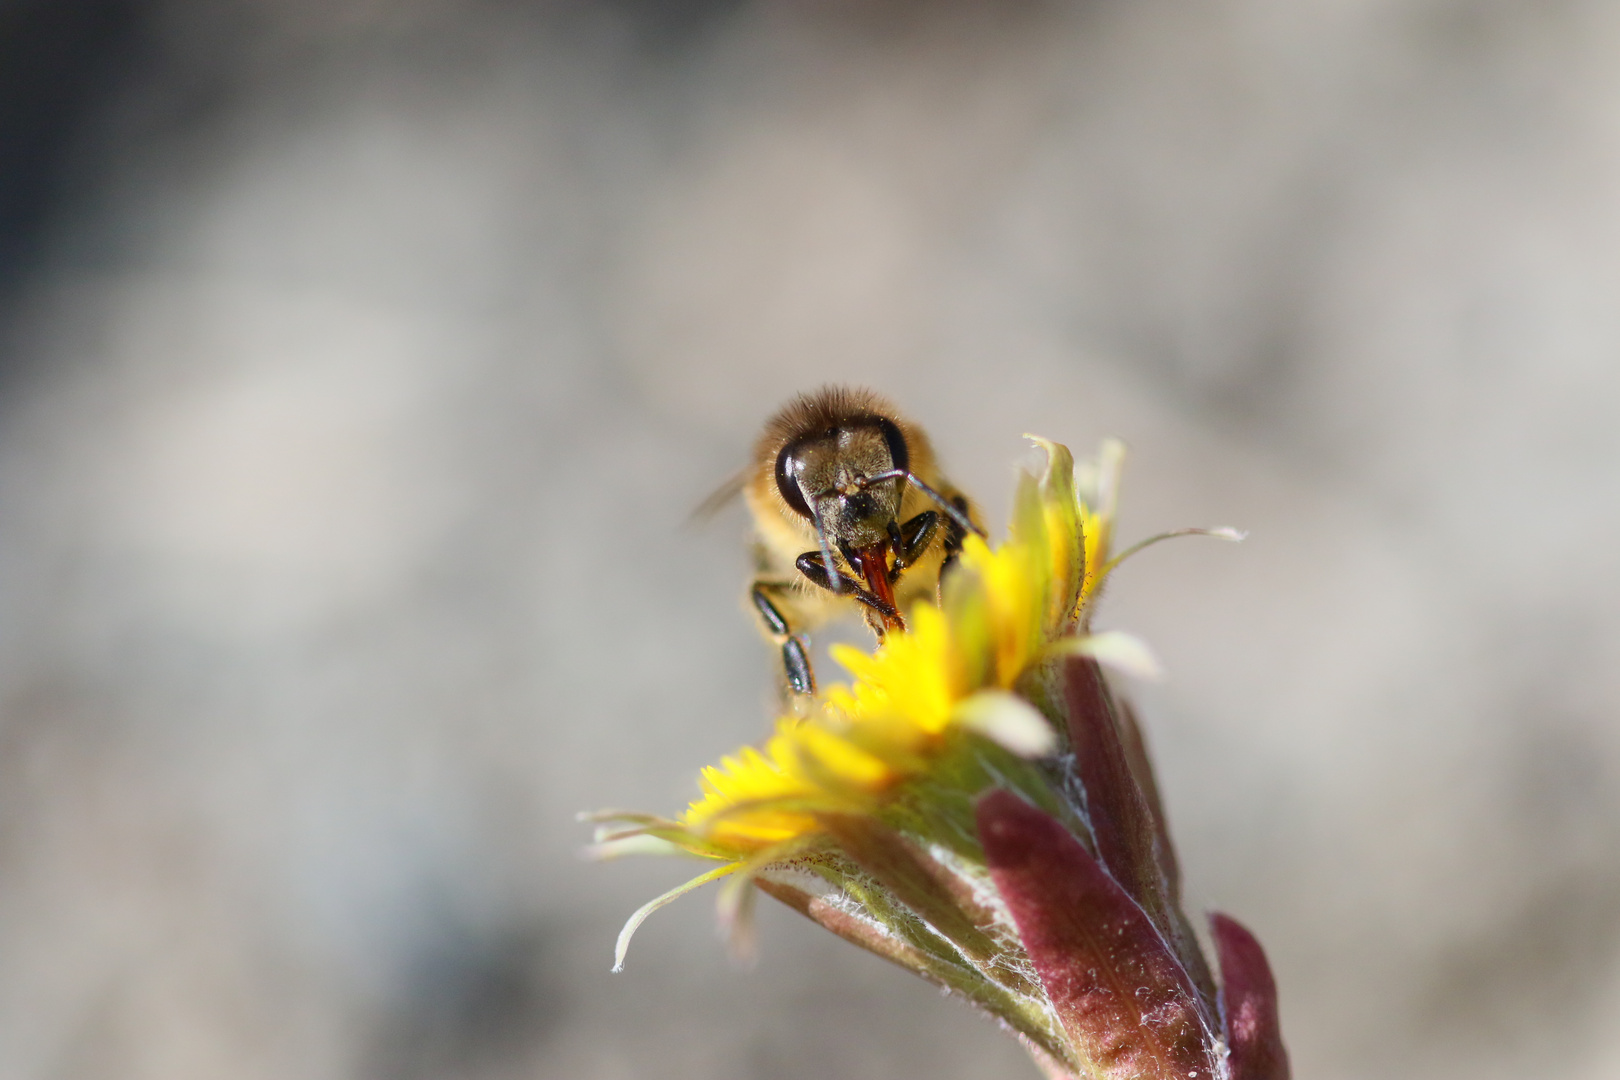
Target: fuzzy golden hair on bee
{"points": [[823, 412]]}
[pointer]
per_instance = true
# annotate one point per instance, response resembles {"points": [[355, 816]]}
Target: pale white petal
{"points": [[1117, 649], [633, 845], [1224, 532], [1009, 720], [634, 922]]}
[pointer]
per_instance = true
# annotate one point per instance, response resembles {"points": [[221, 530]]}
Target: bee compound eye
{"points": [[787, 481], [899, 453]]}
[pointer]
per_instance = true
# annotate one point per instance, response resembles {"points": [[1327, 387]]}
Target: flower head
{"points": [[975, 805]]}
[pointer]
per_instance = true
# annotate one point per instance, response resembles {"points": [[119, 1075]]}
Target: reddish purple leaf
{"points": [[1136, 755], [1250, 995], [1121, 819], [1126, 820], [1124, 1000]]}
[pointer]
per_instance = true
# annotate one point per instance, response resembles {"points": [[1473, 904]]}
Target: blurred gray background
{"points": [[360, 362]]}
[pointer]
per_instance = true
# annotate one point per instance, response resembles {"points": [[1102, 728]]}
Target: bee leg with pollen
{"points": [[801, 679]]}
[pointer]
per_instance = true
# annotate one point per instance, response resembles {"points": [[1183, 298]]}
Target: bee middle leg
{"points": [[801, 678], [955, 537], [911, 540]]}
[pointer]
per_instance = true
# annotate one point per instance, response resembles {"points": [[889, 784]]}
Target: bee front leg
{"points": [[816, 572], [801, 679]]}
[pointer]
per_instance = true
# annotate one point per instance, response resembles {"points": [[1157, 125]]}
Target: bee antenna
{"points": [[951, 511]]}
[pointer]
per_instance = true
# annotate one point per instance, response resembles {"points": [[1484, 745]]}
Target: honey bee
{"points": [[850, 511]]}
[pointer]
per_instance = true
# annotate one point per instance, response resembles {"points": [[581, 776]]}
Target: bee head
{"points": [[848, 478]]}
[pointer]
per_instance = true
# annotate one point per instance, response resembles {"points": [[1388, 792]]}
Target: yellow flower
{"points": [[950, 683], [964, 806], [907, 699]]}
